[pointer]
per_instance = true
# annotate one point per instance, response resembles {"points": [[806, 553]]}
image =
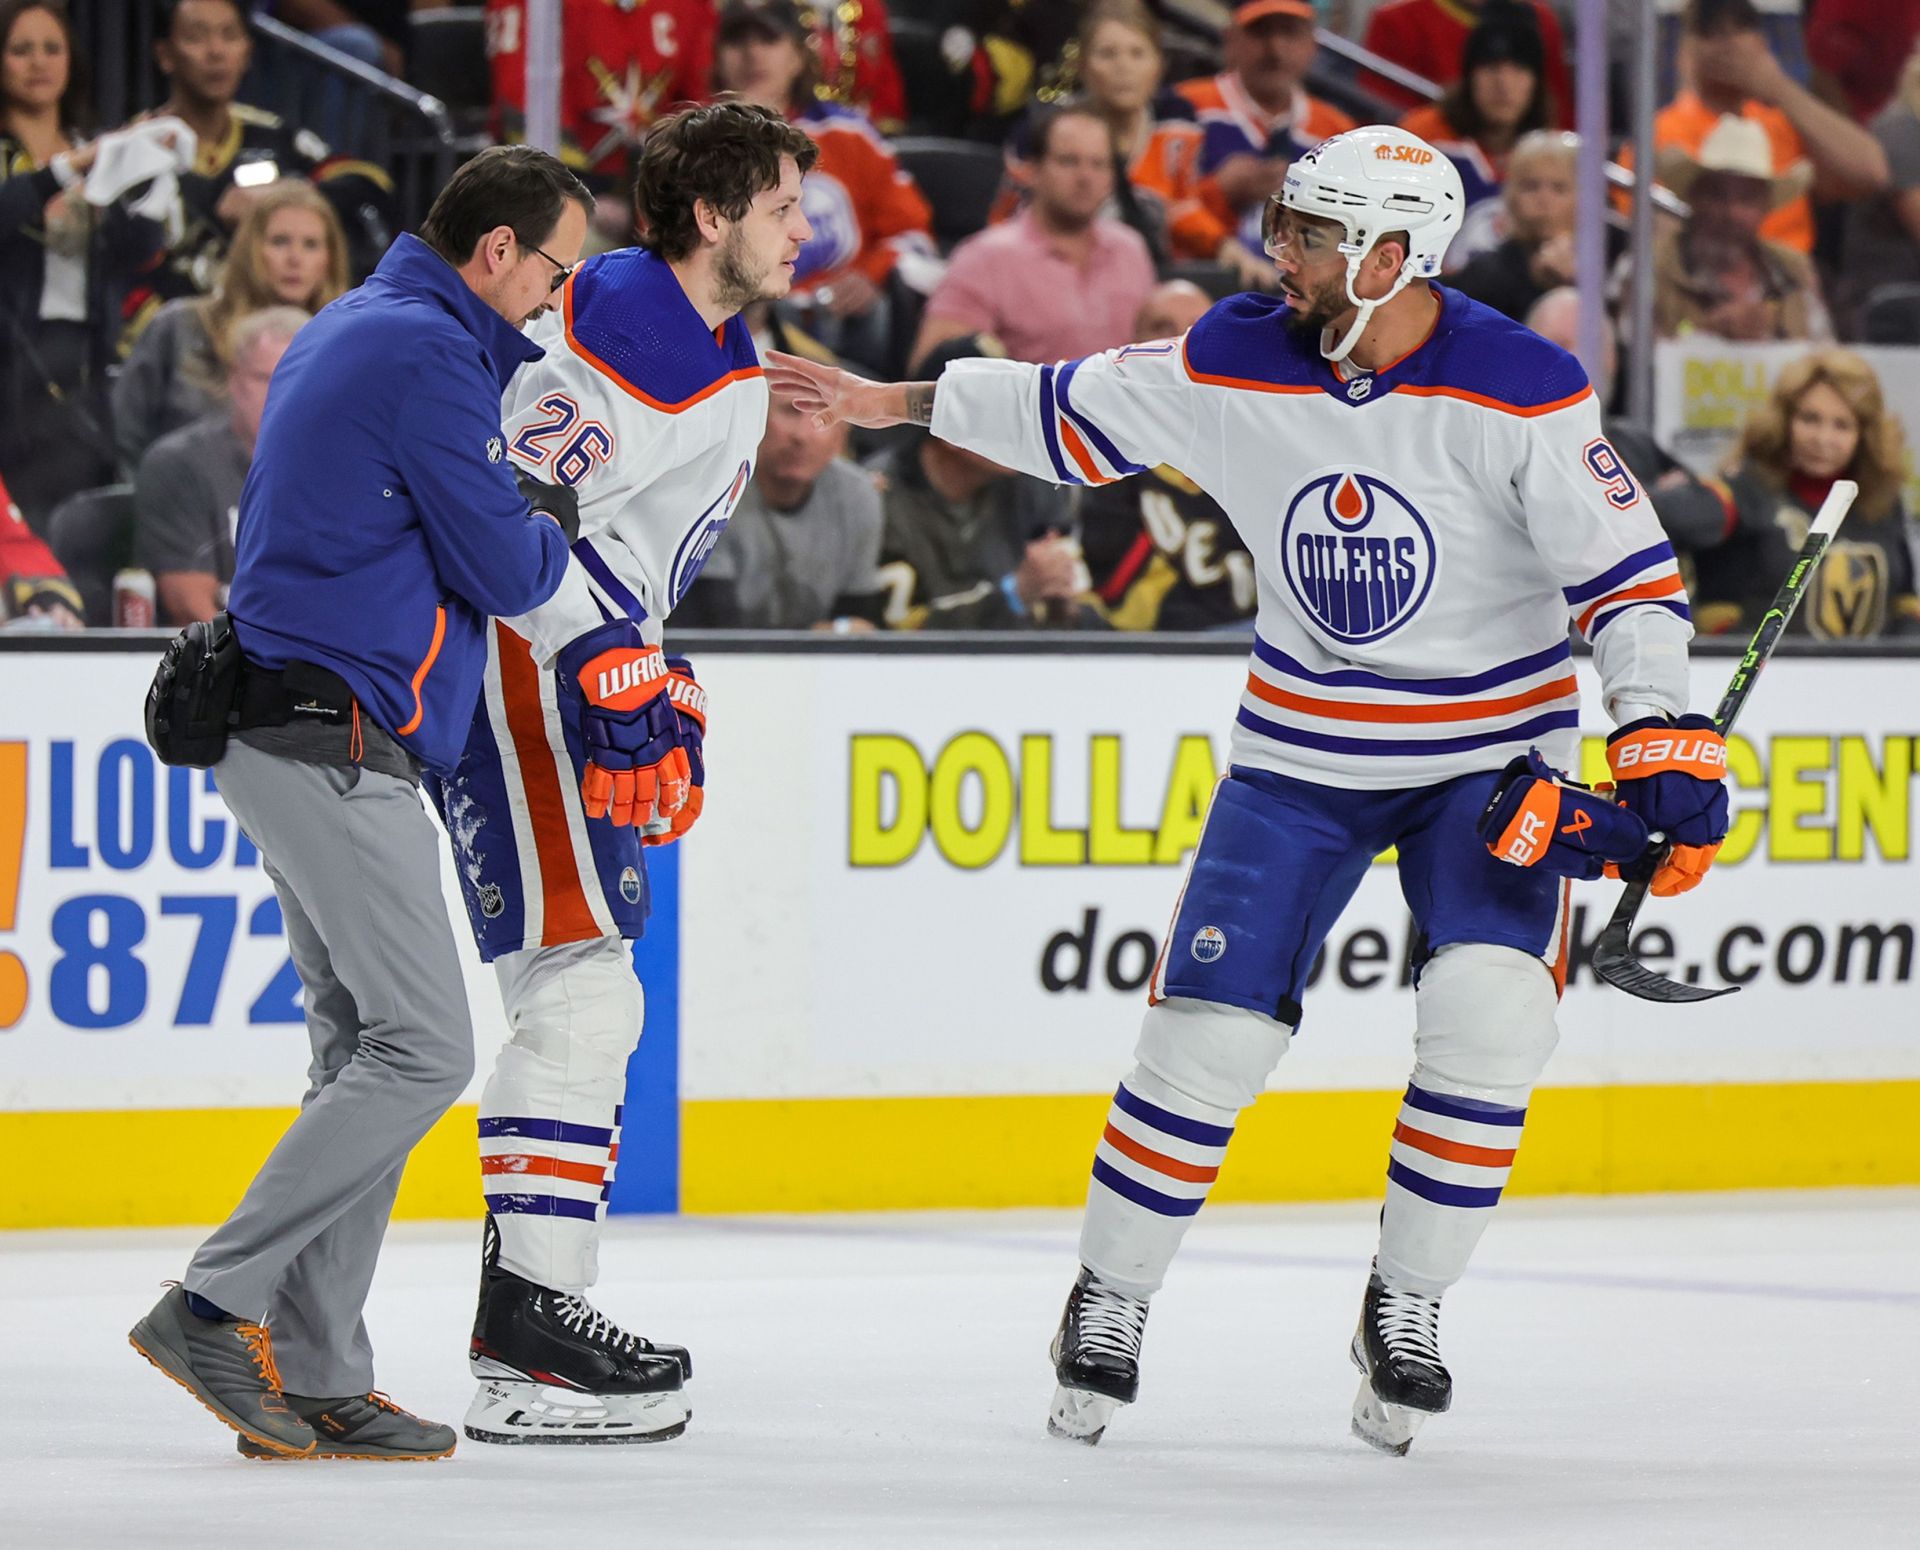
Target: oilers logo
{"points": [[1208, 945], [828, 207], [1358, 558], [698, 544]]}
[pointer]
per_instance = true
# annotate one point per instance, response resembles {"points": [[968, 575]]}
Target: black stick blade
{"points": [[1614, 962]]}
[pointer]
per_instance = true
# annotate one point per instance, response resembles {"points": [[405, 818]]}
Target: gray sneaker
{"points": [[363, 1426], [226, 1364]]}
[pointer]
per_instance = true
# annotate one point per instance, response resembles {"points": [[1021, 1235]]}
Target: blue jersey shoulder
{"points": [[627, 311], [1477, 350], [1246, 338]]}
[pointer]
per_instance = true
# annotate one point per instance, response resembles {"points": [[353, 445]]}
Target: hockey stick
{"points": [[1613, 958]]}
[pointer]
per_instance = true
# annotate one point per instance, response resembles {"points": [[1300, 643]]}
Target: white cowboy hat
{"points": [[1739, 146]]}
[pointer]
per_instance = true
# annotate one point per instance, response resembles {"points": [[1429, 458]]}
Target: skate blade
{"points": [[1079, 1416], [515, 1413], [1390, 1428]]}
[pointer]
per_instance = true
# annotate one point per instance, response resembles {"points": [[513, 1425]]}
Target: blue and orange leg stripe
{"points": [[1454, 1151]]}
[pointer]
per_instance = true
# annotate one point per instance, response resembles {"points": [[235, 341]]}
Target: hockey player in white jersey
{"points": [[649, 404], [1429, 501]]}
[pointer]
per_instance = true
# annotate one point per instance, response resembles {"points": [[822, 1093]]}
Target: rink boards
{"points": [[900, 962]]}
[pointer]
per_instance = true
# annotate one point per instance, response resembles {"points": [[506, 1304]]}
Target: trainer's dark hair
{"points": [[506, 185], [724, 153], [170, 11]]}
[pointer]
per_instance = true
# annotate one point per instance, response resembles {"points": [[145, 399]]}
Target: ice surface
{"points": [[1731, 1370]]}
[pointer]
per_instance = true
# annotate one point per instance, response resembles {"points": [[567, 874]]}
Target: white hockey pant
{"points": [[550, 1115]]}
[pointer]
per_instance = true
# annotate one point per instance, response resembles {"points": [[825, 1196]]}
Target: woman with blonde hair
{"points": [[289, 251], [1824, 419]]}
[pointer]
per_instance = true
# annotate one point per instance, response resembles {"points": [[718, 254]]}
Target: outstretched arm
{"points": [[831, 395]]}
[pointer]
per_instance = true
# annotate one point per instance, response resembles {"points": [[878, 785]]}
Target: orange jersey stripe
{"points": [[1660, 586], [1454, 1151], [425, 667], [1456, 710], [1172, 1167], [1525, 411], [567, 917], [1077, 450], [543, 1167]]}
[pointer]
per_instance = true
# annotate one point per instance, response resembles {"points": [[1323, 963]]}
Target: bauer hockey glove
{"points": [[1673, 774], [690, 705], [637, 768], [1537, 817]]}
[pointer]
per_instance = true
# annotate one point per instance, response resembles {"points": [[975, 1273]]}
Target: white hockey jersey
{"points": [[1421, 534], [654, 419]]}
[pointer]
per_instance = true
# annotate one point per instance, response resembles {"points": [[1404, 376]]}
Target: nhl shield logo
{"points": [[496, 449], [1209, 943], [1358, 558], [492, 901], [1359, 388]]}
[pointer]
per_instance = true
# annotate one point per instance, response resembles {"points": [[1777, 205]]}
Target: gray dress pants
{"points": [[356, 863]]}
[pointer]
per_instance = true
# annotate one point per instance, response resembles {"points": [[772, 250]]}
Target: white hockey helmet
{"points": [[1373, 181]]}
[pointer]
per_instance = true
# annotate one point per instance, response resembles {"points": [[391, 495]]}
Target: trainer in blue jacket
{"points": [[380, 525]]}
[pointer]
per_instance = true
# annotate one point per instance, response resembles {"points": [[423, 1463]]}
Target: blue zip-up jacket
{"points": [[380, 523]]}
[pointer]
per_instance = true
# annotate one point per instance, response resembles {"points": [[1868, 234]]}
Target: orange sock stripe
{"points": [[1453, 1151], [1172, 1167], [524, 1166]]}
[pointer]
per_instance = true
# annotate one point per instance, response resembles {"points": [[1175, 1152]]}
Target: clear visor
{"points": [[1285, 233]]}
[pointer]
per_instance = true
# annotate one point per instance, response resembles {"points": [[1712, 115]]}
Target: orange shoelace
{"points": [[260, 1347]]}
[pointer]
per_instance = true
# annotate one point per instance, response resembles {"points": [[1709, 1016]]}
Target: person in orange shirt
{"points": [[1727, 68], [1255, 118], [1158, 194], [865, 209]]}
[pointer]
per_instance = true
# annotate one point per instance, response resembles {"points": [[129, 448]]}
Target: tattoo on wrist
{"points": [[920, 402]]}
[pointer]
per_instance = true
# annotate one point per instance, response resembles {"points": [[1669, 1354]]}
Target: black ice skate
{"points": [[553, 1369], [1096, 1357], [1403, 1380]]}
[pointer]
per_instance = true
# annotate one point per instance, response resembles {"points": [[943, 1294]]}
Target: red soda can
{"points": [[133, 600]]}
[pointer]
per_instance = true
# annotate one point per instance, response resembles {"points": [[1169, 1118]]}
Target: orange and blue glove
{"points": [[1537, 817], [1673, 775], [637, 766], [690, 705]]}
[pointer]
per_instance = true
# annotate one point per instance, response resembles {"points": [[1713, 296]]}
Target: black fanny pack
{"points": [[205, 689], [191, 701]]}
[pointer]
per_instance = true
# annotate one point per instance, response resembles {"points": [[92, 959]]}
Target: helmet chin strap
{"points": [[1364, 315]]}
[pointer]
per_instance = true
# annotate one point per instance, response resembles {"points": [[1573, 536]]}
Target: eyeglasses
{"points": [[560, 271]]}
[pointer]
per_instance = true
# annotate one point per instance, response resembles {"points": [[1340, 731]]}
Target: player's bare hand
{"points": [[831, 395], [1552, 262]]}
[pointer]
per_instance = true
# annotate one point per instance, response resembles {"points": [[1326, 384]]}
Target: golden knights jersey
{"points": [[1420, 535], [653, 418]]}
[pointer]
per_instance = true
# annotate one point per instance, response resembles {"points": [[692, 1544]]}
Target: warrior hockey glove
{"points": [[1674, 775], [690, 704], [1538, 817], [637, 769]]}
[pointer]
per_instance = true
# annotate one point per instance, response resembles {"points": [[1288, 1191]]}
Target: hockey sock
{"points": [[547, 1182], [200, 1308], [1155, 1163], [1449, 1162]]}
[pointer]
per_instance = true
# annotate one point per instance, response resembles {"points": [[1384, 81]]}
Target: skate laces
{"points": [[1112, 1321], [584, 1319], [1410, 1325], [260, 1347]]}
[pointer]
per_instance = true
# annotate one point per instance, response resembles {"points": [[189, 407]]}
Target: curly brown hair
{"points": [[725, 153], [1878, 464]]}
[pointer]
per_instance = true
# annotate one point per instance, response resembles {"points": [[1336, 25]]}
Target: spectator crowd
{"points": [[995, 177]]}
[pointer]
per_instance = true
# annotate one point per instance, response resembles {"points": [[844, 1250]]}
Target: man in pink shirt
{"points": [[1061, 279]]}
